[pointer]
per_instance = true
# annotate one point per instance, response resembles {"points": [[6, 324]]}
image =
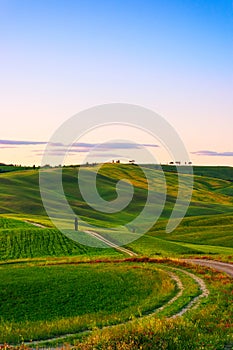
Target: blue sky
{"points": [[60, 57]]}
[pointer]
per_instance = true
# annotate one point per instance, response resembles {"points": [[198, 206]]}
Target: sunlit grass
{"points": [[38, 302]]}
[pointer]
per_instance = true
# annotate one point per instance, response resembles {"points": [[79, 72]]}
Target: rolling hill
{"points": [[52, 286], [209, 220]]}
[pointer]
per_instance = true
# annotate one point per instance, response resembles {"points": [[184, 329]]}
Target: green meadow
{"points": [[52, 286], [61, 298]]}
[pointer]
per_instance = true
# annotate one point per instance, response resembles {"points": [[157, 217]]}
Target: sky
{"points": [[61, 57]]}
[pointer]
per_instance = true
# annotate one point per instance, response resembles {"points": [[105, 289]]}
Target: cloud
{"points": [[150, 145], [213, 153], [110, 155], [80, 145], [62, 150], [113, 145], [77, 147], [21, 143]]}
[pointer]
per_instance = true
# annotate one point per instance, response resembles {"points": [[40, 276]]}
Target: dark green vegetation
{"points": [[219, 172], [21, 240], [4, 168], [47, 292]]}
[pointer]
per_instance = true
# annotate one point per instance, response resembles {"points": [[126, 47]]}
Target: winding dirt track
{"points": [[96, 235], [217, 265], [220, 266], [192, 304], [35, 224], [110, 244]]}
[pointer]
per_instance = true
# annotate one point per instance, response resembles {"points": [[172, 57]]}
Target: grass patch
{"points": [[45, 301]]}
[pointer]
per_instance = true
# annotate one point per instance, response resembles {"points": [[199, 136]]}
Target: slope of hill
{"points": [[209, 219], [219, 172], [49, 290]]}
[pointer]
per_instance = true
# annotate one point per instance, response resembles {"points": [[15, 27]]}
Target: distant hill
{"points": [[4, 168], [219, 172], [19, 190], [209, 220]]}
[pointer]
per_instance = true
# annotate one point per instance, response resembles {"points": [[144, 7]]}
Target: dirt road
{"points": [[110, 244], [35, 224], [220, 266]]}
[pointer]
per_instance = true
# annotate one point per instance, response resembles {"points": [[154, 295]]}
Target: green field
{"points": [[61, 298], [20, 240], [47, 288]]}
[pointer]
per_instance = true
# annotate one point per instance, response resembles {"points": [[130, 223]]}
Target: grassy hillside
{"points": [[4, 168], [209, 220], [20, 190], [219, 172], [48, 289]]}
